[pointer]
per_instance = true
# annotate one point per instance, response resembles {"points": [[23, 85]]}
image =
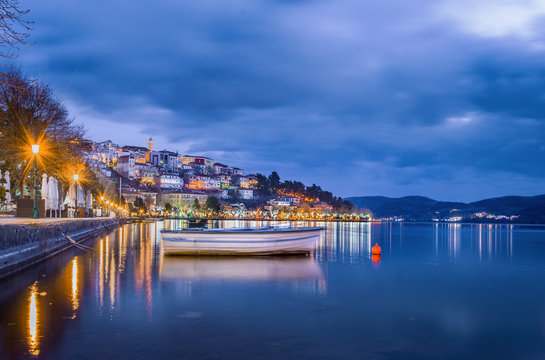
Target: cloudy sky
{"points": [[438, 98]]}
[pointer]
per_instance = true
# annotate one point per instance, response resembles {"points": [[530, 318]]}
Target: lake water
{"points": [[446, 291]]}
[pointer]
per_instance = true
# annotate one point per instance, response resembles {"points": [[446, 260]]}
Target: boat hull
{"points": [[240, 242]]}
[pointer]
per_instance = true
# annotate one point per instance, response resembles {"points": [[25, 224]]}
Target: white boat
{"points": [[240, 241]]}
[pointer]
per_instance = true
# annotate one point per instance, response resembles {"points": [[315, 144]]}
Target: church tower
{"points": [[150, 149]]}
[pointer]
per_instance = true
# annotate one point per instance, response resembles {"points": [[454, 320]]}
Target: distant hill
{"points": [[529, 209]]}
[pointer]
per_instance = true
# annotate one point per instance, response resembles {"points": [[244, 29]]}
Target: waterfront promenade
{"points": [[12, 220], [24, 241]]}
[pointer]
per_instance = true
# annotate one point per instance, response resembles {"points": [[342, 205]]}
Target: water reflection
{"points": [[125, 282], [100, 277], [454, 239], [241, 269], [376, 260], [75, 299], [33, 343], [490, 241], [113, 274], [345, 242]]}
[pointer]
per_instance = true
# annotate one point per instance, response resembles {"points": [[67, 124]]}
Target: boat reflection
{"points": [[275, 269]]}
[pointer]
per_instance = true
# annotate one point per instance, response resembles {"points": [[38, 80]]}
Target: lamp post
{"points": [[76, 178], [35, 150]]}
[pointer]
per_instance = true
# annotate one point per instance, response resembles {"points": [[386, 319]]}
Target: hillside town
{"points": [[148, 180], [161, 177]]}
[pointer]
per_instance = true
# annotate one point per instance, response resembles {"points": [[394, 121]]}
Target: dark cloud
{"points": [[363, 97]]}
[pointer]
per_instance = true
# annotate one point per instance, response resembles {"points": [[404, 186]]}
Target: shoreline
{"points": [[29, 242], [260, 219], [352, 221]]}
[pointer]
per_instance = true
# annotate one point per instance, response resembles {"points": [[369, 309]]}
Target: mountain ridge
{"points": [[528, 209]]}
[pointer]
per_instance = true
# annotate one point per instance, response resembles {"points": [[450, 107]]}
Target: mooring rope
{"points": [[79, 246]]}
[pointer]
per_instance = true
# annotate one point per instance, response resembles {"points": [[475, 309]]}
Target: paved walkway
{"points": [[11, 220]]}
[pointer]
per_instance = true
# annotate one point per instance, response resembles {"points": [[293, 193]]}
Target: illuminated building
{"points": [[180, 199], [166, 159], [169, 181], [246, 194]]}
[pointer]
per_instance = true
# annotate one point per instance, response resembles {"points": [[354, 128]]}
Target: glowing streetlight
{"points": [[35, 150], [76, 178]]}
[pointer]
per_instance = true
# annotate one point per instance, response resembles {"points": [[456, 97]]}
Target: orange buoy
{"points": [[376, 250]]}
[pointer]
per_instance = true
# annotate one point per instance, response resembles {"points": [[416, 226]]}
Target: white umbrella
{"points": [[81, 196], [51, 201], [61, 203], [58, 200], [3, 185], [71, 196], [67, 197], [89, 200], [89, 203], [45, 189], [7, 187]]}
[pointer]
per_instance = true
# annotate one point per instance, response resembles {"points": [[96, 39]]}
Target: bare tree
{"points": [[31, 114], [12, 19]]}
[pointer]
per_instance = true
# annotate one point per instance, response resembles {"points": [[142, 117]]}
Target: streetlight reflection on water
{"points": [[33, 340], [126, 276], [75, 299]]}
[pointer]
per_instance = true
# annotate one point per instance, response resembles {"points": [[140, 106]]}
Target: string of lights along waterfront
{"points": [[468, 291]]}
